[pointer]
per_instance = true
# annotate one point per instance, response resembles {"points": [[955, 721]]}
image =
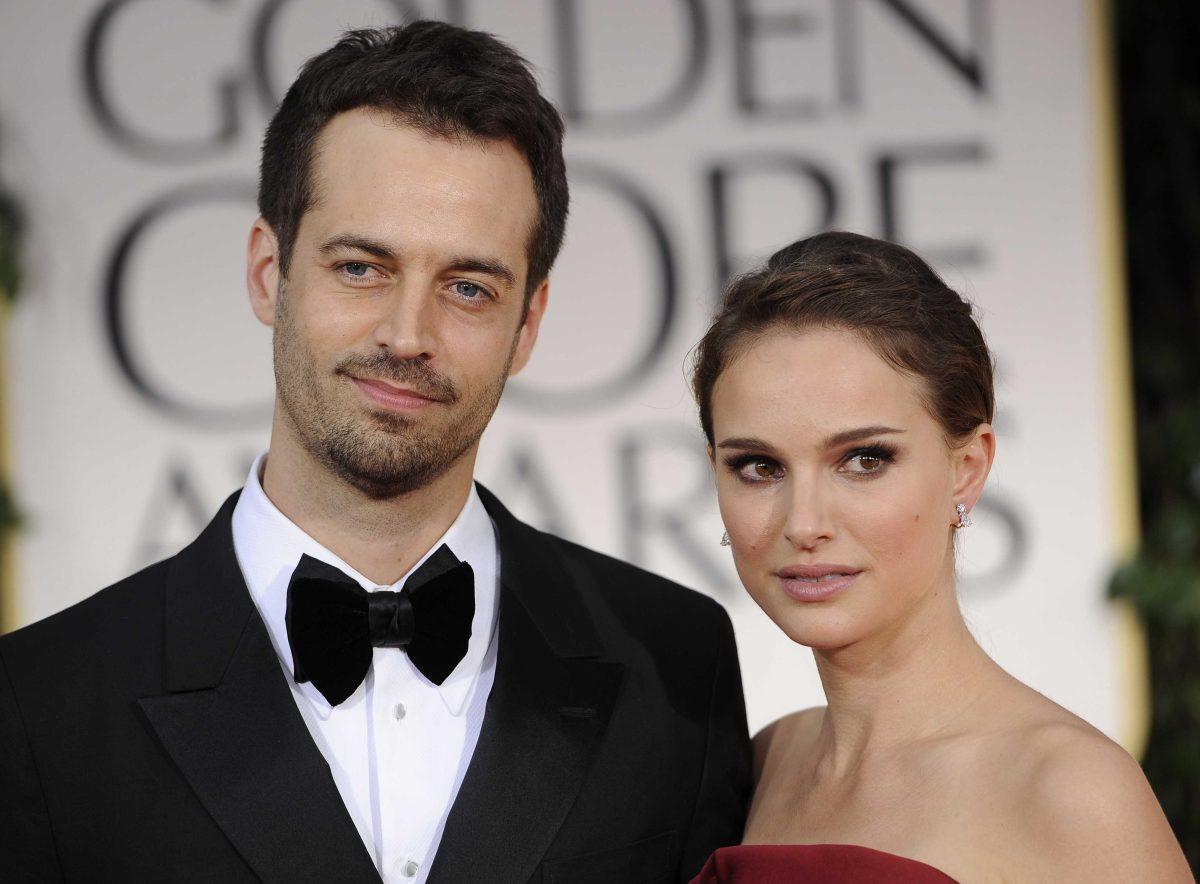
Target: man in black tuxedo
{"points": [[365, 668]]}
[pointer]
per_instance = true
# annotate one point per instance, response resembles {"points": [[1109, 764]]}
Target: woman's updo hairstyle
{"points": [[877, 289]]}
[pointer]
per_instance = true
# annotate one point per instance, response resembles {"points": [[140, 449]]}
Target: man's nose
{"points": [[406, 326]]}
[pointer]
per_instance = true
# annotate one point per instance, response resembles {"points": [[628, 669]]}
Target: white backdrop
{"points": [[703, 134]]}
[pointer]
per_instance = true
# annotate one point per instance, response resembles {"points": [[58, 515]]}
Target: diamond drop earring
{"points": [[964, 520], [725, 539]]}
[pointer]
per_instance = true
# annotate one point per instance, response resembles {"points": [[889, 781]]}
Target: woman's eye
{"points": [[759, 469], [867, 462]]}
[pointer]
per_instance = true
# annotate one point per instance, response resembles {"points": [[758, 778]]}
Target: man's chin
{"points": [[392, 423], [386, 481], [391, 460]]}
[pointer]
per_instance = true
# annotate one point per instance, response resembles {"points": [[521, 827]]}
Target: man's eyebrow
{"points": [[856, 434], [463, 263], [351, 241], [489, 266]]}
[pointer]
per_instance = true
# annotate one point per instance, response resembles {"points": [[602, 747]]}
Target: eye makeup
{"points": [[861, 462], [873, 459], [754, 469]]}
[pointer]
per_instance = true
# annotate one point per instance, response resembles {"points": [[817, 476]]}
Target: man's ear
{"points": [[262, 271], [527, 337], [972, 463]]}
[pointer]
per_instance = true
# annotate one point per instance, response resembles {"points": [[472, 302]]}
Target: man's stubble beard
{"points": [[380, 454]]}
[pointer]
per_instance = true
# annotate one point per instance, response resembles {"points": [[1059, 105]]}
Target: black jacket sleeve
{"points": [[26, 844], [719, 815]]}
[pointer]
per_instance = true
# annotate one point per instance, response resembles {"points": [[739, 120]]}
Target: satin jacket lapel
{"points": [[231, 726], [550, 703]]}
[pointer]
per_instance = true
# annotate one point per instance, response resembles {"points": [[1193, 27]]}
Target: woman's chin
{"points": [[819, 631], [823, 626]]}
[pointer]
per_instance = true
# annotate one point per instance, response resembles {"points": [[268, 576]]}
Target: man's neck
{"points": [[380, 538]]}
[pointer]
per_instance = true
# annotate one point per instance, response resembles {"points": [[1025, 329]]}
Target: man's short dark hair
{"points": [[443, 79]]}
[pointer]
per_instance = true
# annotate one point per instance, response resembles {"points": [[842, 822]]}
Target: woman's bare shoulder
{"points": [[1084, 808]]}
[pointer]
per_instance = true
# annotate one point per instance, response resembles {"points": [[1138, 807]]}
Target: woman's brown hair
{"points": [[877, 289]]}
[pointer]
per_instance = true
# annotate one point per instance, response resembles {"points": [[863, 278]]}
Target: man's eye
{"points": [[356, 269], [468, 290]]}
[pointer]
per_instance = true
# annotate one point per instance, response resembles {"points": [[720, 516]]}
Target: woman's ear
{"points": [[972, 463]]}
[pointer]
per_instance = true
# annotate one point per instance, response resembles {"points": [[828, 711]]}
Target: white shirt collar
{"points": [[268, 546]]}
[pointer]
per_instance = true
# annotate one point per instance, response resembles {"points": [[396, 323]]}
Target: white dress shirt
{"points": [[400, 745]]}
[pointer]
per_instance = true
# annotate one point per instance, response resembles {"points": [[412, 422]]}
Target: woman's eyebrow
{"points": [[856, 434], [745, 442], [752, 444]]}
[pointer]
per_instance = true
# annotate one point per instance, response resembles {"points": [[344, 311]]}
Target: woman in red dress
{"points": [[846, 393]]}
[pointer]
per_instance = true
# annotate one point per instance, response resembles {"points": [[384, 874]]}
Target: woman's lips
{"points": [[816, 583], [392, 398]]}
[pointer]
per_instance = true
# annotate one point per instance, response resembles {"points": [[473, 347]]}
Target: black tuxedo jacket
{"points": [[149, 734]]}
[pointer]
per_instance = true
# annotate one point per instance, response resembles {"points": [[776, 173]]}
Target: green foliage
{"points": [[1166, 595], [1160, 110]]}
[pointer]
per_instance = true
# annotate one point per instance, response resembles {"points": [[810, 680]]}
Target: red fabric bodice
{"points": [[817, 863]]}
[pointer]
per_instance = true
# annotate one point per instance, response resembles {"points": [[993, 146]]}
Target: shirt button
{"points": [[399, 711], [410, 869]]}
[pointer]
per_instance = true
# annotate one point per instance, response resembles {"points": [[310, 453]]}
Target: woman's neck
{"points": [[922, 679]]}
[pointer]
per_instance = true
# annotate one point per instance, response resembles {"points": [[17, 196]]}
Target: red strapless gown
{"points": [[816, 863]]}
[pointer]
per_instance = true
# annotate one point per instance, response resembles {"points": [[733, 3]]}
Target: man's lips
{"points": [[815, 583], [393, 396]]}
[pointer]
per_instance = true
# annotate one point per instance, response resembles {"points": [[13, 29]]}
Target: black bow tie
{"points": [[333, 623]]}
